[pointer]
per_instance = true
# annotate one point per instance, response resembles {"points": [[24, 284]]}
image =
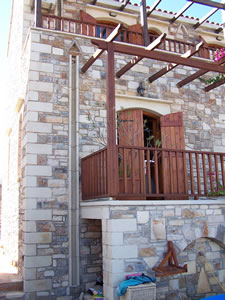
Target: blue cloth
{"points": [[217, 297], [132, 281]]}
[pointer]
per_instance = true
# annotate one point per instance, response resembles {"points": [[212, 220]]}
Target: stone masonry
{"points": [[135, 236]]}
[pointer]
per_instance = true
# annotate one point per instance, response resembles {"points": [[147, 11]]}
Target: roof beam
{"points": [[161, 56], [214, 85], [153, 7], [197, 74], [98, 52], [170, 67], [179, 13], [124, 5], [209, 3], [202, 20], [219, 29], [136, 59]]}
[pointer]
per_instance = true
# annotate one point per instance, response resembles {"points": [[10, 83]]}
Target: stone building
{"points": [[74, 216]]}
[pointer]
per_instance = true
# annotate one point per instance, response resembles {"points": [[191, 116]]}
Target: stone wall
{"points": [[91, 252], [45, 168], [135, 236]]}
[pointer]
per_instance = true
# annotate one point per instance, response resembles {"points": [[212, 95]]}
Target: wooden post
{"points": [[38, 21], [144, 23], [112, 155]]}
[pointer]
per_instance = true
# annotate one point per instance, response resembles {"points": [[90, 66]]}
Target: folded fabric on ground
{"points": [[132, 281]]}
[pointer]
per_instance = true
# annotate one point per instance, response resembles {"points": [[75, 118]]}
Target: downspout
{"points": [[74, 190]]}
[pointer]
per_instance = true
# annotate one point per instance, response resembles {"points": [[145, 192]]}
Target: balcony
{"points": [[126, 36], [152, 173]]}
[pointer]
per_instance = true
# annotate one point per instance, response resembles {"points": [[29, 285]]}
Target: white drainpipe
{"points": [[74, 191]]}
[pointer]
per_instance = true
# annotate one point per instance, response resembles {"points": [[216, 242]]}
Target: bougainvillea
{"points": [[219, 54], [217, 57]]}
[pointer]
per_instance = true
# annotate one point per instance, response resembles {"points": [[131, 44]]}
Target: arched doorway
{"points": [[145, 169]]}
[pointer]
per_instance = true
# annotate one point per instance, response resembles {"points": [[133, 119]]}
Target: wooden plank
{"points": [[98, 52], [136, 59], [216, 170], [38, 18], [148, 173], [214, 85], [197, 74], [156, 171], [112, 153], [179, 13], [222, 168], [210, 173], [153, 7], [198, 173], [124, 5], [209, 3], [202, 20], [170, 67], [191, 173], [157, 55], [204, 174], [144, 23]]}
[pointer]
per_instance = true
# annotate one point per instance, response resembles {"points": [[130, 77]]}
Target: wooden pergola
{"points": [[148, 52]]}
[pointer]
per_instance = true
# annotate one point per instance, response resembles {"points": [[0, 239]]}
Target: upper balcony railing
{"points": [[126, 35]]}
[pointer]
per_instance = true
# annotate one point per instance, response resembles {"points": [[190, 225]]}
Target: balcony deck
{"points": [[126, 36], [153, 173]]}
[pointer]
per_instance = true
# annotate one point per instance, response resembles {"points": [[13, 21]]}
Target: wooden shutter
{"points": [[88, 25], [135, 34], [131, 165], [173, 163]]}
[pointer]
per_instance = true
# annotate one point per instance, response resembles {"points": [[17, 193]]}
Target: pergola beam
{"points": [[202, 20], [161, 56], [149, 12], [219, 29], [170, 67], [209, 3], [124, 5], [214, 85], [178, 14], [136, 59], [98, 52], [197, 74]]}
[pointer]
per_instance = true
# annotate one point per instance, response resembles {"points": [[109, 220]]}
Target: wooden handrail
{"points": [[127, 36], [146, 173]]}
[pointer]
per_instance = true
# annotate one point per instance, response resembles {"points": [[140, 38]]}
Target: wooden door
{"points": [[174, 173], [131, 161], [89, 25], [135, 34]]}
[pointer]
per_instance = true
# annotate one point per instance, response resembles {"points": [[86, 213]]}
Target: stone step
{"points": [[16, 295]]}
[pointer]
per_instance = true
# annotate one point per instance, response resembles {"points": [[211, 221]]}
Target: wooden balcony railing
{"points": [[154, 173], [126, 36]]}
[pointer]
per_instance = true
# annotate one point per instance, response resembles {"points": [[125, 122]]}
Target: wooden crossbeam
{"points": [[197, 74], [149, 12], [169, 265], [94, 2], [161, 56], [136, 59], [124, 5], [219, 29], [214, 85], [202, 20], [170, 67], [98, 52], [209, 3], [178, 14]]}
